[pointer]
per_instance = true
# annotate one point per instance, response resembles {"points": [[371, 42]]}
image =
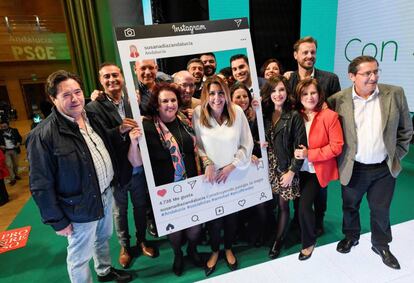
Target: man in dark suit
{"points": [[304, 52], [377, 131], [112, 108]]}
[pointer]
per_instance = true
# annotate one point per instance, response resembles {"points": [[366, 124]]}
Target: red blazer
{"points": [[4, 172], [324, 145]]}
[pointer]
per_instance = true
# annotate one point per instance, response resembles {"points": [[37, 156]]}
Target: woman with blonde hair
{"points": [[224, 143]]}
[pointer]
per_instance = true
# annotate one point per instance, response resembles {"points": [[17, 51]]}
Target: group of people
{"points": [[205, 123]]}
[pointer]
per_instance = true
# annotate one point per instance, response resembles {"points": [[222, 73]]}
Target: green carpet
{"points": [[44, 257]]}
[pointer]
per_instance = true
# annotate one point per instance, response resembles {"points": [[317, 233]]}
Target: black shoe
{"points": [[152, 230], [387, 258], [195, 258], [209, 270], [178, 265], [344, 246], [232, 266], [276, 248], [115, 275], [305, 257]]}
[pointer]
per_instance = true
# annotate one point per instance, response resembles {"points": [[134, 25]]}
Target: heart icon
{"points": [[161, 192], [242, 202]]}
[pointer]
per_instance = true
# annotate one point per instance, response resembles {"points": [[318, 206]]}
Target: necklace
{"points": [[275, 117]]}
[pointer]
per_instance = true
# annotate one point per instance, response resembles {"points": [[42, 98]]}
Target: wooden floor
{"points": [[19, 193]]}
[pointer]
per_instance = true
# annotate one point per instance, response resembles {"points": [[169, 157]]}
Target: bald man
{"points": [[186, 81]]}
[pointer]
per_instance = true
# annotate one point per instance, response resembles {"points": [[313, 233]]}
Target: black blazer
{"points": [[290, 132], [109, 117], [328, 81]]}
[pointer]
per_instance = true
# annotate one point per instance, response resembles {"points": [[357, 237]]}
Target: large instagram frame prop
{"points": [[193, 201]]}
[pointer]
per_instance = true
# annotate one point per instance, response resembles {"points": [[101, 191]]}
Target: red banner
{"points": [[14, 239]]}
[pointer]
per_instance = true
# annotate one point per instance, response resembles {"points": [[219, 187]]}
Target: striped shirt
{"points": [[100, 155]]}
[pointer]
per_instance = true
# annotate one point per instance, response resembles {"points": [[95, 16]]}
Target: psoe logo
{"points": [[129, 32], [185, 28]]}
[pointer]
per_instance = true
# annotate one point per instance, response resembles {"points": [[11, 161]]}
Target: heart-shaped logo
{"points": [[242, 202], [162, 192]]}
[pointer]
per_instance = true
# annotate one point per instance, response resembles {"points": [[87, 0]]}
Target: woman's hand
{"points": [[255, 159], [286, 179], [223, 173], [264, 144], [134, 135], [255, 103], [301, 152], [210, 174]]}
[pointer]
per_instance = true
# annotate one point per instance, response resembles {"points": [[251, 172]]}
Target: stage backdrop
{"points": [[349, 28]]}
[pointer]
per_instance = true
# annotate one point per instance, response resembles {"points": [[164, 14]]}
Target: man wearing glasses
{"points": [[377, 130], [186, 82]]}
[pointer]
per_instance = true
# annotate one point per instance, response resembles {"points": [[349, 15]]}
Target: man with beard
{"points": [[112, 107], [210, 65], [305, 54], [196, 69], [241, 71], [187, 86], [146, 71]]}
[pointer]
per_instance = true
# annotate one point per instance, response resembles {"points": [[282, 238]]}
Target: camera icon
{"points": [[129, 32]]}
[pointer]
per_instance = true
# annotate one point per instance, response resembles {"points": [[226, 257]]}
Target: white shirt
{"points": [[368, 123], [307, 166], [222, 144]]}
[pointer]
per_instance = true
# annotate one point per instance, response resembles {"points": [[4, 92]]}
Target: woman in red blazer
{"points": [[325, 142]]}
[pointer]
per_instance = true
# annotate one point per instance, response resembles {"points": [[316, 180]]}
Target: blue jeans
{"points": [[91, 239], [137, 188]]}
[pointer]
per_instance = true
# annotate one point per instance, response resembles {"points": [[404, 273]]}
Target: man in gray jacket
{"points": [[377, 130]]}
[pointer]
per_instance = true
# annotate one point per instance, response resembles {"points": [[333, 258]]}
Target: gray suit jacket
{"points": [[396, 124]]}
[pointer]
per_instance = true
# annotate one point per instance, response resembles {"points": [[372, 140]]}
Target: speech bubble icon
{"points": [[162, 192], [177, 189]]}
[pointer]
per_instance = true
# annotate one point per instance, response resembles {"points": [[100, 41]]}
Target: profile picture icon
{"points": [[133, 51]]}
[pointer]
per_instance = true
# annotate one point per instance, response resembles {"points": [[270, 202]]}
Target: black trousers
{"points": [[376, 181], [229, 224], [319, 204], [309, 190]]}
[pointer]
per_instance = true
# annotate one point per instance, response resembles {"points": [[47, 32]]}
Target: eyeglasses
{"points": [[219, 93], [368, 74], [191, 86]]}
